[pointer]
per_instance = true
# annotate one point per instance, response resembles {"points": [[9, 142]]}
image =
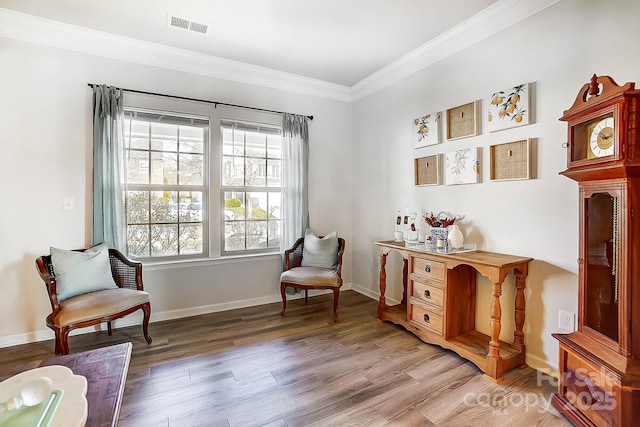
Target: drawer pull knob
{"points": [[427, 268], [426, 318], [427, 294]]}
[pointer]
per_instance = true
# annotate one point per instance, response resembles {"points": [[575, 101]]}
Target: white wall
{"points": [[557, 50], [361, 166], [46, 137]]}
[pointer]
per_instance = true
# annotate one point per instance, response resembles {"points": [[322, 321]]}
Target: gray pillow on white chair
{"points": [[320, 252]]}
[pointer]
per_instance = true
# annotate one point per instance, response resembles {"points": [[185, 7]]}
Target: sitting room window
{"points": [[251, 187], [166, 197]]}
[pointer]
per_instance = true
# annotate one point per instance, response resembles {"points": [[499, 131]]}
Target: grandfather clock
{"points": [[599, 364]]}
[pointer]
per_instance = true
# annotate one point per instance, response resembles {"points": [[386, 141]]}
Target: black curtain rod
{"points": [[216, 103]]}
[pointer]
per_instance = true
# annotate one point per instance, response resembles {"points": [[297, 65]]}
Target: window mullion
{"points": [[160, 187]]}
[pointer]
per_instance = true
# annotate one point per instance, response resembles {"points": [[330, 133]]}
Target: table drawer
{"points": [[592, 390], [428, 268], [427, 318], [428, 293]]}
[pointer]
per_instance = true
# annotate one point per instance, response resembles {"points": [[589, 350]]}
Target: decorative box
{"points": [[436, 233]]}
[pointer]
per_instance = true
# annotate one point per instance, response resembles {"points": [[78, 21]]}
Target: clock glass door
{"points": [[602, 244], [593, 139]]}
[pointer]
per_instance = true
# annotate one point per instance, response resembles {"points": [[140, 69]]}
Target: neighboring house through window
{"points": [[201, 186], [166, 184], [251, 187]]}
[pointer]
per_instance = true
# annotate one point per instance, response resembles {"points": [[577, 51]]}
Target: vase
{"points": [[455, 237]]}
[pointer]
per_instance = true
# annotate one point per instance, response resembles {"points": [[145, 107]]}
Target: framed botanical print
{"points": [[509, 108], [427, 130], [462, 166]]}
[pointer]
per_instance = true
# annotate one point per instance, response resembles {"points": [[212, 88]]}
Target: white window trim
{"points": [[182, 188], [213, 170], [249, 189]]}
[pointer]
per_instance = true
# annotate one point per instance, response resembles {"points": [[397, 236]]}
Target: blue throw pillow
{"points": [[82, 272], [319, 252]]}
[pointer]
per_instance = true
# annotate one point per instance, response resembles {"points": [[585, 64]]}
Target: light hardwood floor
{"points": [[250, 367]]}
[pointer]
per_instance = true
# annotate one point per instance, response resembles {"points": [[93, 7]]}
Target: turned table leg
{"points": [[382, 305], [493, 369], [405, 275], [518, 334], [496, 314]]}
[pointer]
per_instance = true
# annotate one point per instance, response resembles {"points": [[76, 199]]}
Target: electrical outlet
{"points": [[567, 320]]}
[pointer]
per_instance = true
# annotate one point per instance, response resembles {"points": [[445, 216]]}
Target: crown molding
{"points": [[37, 30], [485, 23], [491, 20]]}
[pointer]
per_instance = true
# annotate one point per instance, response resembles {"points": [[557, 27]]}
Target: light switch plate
{"points": [[68, 203]]}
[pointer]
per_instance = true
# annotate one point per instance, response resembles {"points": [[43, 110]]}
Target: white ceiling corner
{"points": [[480, 26], [39, 30]]}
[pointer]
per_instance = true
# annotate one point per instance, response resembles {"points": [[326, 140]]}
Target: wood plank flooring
{"points": [[250, 367]]}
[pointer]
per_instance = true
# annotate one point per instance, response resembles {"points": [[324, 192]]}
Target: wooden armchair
{"points": [[96, 307], [296, 276]]}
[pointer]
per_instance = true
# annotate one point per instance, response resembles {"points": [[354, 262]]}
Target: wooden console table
{"points": [[106, 372], [439, 303]]}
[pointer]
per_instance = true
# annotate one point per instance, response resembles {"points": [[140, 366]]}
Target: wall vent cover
{"points": [[186, 24]]}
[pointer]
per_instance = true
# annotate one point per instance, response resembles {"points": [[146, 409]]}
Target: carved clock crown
{"points": [[597, 91]]}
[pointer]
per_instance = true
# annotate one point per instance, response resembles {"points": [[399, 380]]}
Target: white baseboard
{"points": [[372, 294], [365, 291], [542, 365], [136, 318]]}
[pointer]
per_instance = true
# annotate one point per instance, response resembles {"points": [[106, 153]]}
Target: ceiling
{"points": [[338, 41]]}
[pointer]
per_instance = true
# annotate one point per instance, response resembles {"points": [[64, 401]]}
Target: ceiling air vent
{"points": [[185, 24], [198, 28]]}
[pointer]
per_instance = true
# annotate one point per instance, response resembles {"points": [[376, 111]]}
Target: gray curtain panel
{"points": [[295, 198], [295, 153], [108, 223]]}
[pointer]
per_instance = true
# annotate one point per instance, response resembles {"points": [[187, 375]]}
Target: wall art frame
{"points": [[427, 130], [510, 161], [463, 166], [462, 121], [509, 108], [427, 170]]}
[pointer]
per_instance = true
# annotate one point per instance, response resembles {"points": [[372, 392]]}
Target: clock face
{"points": [[602, 137]]}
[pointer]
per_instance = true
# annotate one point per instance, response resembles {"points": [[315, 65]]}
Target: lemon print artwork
{"points": [[427, 130], [508, 108], [463, 166]]}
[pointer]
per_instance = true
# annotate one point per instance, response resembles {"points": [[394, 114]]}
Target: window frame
{"points": [[204, 188], [269, 129], [213, 168]]}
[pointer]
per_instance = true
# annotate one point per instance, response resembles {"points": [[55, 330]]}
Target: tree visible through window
{"points": [[166, 186], [251, 186]]}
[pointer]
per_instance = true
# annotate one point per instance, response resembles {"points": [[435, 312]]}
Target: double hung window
{"points": [[166, 157], [251, 188], [198, 186]]}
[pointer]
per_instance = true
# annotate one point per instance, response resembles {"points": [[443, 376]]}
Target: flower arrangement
{"points": [[441, 220]]}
